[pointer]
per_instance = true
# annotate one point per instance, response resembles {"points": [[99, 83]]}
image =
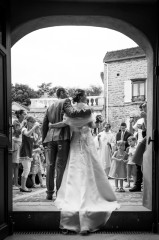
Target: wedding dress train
{"points": [[85, 198]]}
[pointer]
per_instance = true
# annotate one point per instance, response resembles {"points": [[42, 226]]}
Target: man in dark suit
{"points": [[57, 140], [141, 148], [138, 160], [123, 134]]}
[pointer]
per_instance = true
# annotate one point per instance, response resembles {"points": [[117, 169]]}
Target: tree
{"points": [[93, 90], [71, 91], [22, 93], [45, 87], [52, 91]]}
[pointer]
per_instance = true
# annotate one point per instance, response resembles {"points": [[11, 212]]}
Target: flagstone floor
{"points": [[36, 200]]}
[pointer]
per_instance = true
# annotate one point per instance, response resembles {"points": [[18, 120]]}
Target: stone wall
{"points": [[119, 74]]}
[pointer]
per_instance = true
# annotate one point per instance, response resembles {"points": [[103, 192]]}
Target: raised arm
{"points": [[57, 125], [28, 133], [73, 113]]}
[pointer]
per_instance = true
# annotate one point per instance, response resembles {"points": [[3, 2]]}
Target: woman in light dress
{"points": [[85, 198], [105, 142]]}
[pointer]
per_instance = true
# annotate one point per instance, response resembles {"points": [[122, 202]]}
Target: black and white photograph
{"points": [[79, 119]]}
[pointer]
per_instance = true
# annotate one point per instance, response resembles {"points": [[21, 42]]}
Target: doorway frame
{"points": [[35, 219]]}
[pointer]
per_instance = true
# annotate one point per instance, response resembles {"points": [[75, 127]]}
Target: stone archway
{"points": [[94, 21], [126, 29]]}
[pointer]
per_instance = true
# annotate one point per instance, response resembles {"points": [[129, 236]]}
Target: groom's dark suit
{"points": [[58, 141]]}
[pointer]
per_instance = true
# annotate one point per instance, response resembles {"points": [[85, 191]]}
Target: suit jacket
{"points": [[54, 114], [126, 135]]}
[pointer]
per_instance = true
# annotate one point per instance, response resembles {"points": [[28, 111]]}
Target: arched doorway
{"points": [[141, 18], [127, 29]]}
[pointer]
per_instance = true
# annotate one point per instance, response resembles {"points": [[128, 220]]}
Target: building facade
{"points": [[125, 85]]}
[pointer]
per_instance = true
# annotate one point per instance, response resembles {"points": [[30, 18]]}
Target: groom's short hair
{"points": [[59, 90]]}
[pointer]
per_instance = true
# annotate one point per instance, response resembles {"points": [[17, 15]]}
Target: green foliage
{"points": [[45, 87], [93, 90], [52, 92], [71, 91], [22, 93]]}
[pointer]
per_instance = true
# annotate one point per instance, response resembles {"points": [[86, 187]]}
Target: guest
{"points": [[36, 167], [131, 167], [123, 134], [138, 160], [15, 154], [138, 127], [18, 124], [26, 150], [118, 166], [106, 142], [138, 156]]}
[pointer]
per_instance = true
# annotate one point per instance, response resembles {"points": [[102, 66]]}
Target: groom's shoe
{"points": [[49, 197], [84, 233]]}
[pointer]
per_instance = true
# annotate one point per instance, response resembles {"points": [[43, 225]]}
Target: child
{"points": [[138, 127], [26, 150], [131, 167], [118, 166], [36, 167], [16, 142]]}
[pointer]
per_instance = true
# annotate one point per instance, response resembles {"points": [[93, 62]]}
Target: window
{"points": [[138, 90]]}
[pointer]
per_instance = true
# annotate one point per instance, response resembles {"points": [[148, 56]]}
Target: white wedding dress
{"points": [[85, 198]]}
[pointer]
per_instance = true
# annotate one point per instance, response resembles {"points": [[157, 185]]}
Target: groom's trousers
{"points": [[56, 159]]}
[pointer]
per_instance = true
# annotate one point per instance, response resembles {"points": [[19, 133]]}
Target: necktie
{"points": [[122, 135]]}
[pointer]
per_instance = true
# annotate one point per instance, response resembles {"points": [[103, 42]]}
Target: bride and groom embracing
{"points": [[84, 195]]}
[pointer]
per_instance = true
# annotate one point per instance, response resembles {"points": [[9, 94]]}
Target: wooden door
{"points": [[5, 130], [155, 141]]}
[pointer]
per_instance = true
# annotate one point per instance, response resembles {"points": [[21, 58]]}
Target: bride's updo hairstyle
{"points": [[77, 95]]}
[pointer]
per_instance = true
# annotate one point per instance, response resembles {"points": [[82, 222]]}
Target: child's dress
{"points": [[36, 165], [118, 168]]}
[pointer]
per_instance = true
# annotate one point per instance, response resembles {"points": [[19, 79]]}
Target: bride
{"points": [[85, 198]]}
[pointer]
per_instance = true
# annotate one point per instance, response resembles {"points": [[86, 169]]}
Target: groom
{"points": [[58, 139]]}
